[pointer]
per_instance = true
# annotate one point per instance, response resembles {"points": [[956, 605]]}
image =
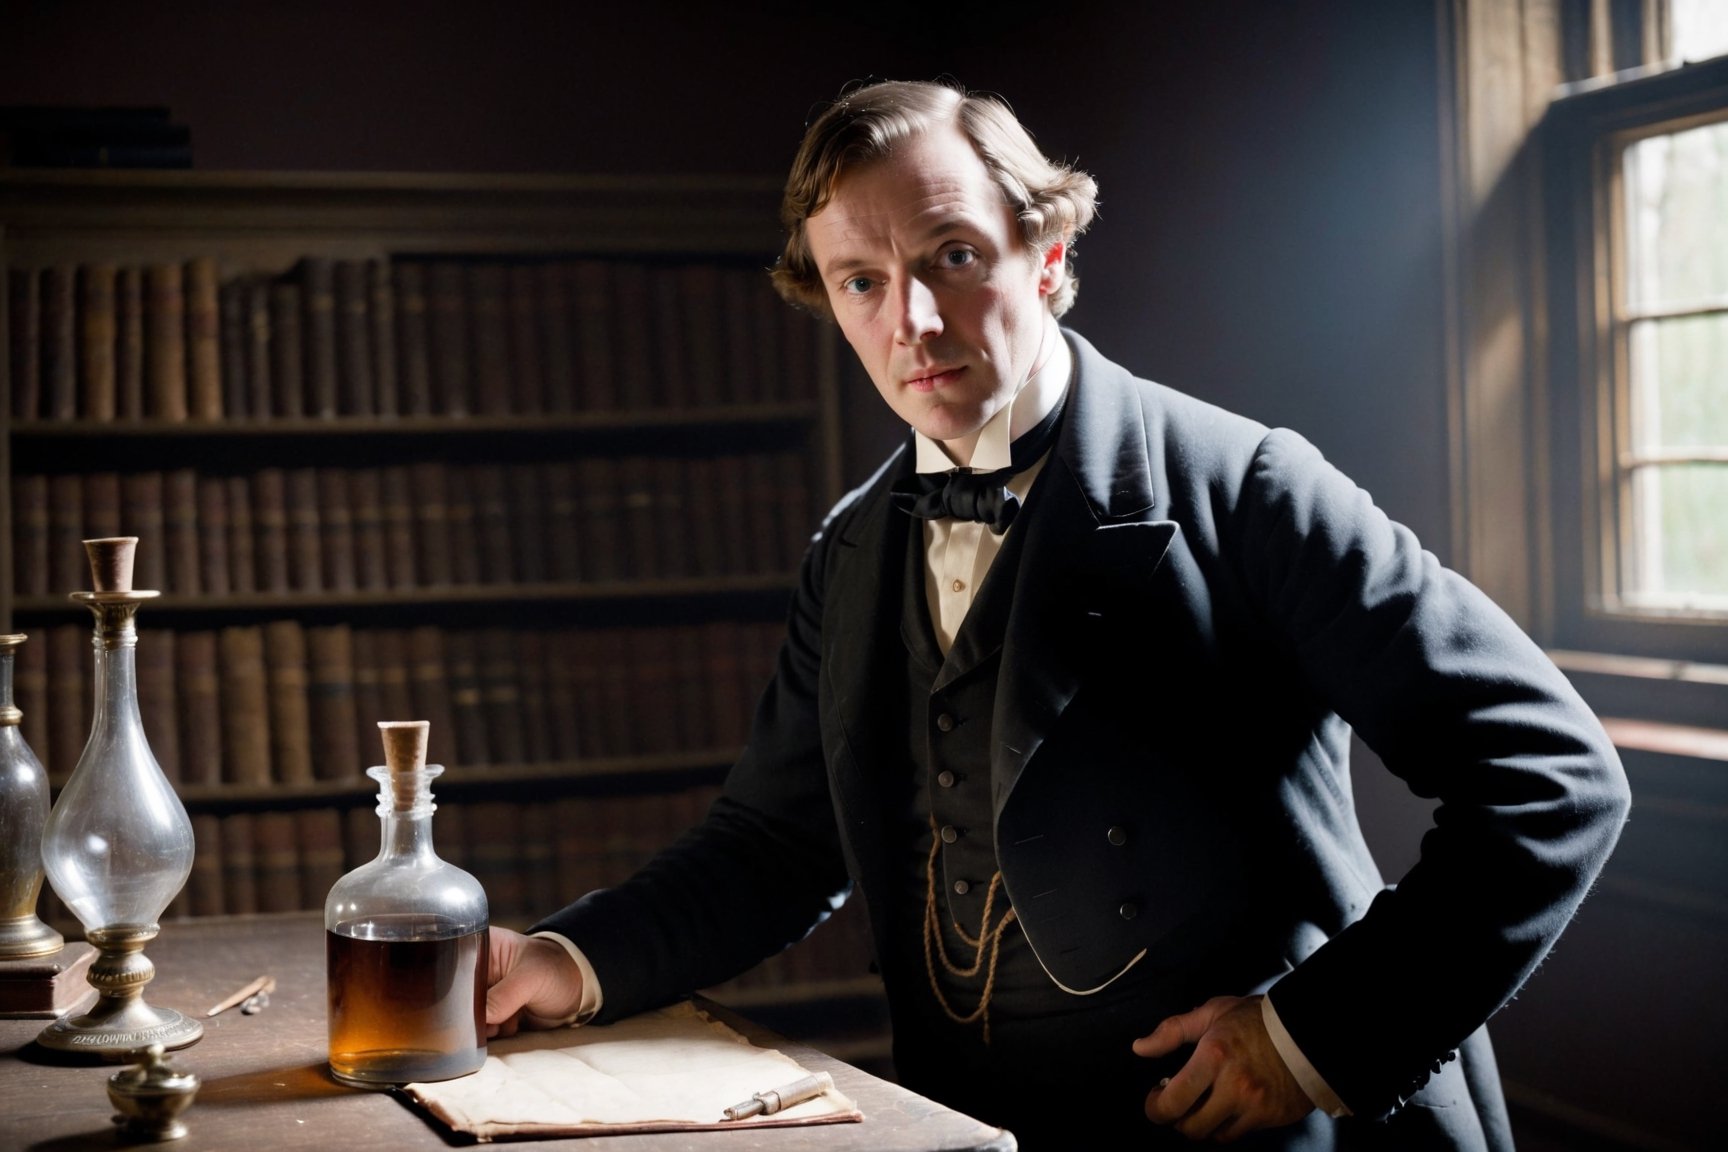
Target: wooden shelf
{"points": [[547, 424], [252, 603]]}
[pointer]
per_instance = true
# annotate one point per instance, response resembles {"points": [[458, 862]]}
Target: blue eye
{"points": [[857, 285], [958, 257]]}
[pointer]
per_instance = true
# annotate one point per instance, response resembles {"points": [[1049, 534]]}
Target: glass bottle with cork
{"points": [[405, 941]]}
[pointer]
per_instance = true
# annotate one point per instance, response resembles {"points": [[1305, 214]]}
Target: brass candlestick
{"points": [[118, 845]]}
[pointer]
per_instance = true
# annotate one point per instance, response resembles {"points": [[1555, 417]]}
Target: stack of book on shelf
{"points": [[346, 337], [424, 525], [283, 704]]}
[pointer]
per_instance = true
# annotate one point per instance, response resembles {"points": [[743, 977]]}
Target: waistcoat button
{"points": [[945, 722], [1117, 835], [1128, 910], [961, 887], [946, 778], [950, 834]]}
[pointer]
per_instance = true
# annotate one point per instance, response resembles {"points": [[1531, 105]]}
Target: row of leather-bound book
{"points": [[285, 703], [424, 525], [337, 337]]}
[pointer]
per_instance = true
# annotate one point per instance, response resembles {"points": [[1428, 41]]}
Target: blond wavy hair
{"points": [[1052, 201]]}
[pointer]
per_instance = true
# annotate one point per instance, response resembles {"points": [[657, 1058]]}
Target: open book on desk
{"points": [[676, 1068]]}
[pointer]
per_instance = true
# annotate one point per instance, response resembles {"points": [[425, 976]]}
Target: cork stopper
{"points": [[407, 777], [111, 562]]}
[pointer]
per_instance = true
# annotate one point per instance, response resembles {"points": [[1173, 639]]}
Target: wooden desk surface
{"points": [[265, 1084]]}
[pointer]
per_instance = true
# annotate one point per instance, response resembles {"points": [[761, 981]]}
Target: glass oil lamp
{"points": [[23, 812], [118, 844]]}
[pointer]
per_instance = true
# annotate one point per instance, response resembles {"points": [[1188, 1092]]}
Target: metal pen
{"points": [[775, 1099]]}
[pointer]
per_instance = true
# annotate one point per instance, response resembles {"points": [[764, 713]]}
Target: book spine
{"points": [[413, 345], [368, 697], [242, 554], [259, 360], [101, 504], [204, 888], [563, 522], [287, 356], [491, 331], [538, 835], [159, 699], [286, 688], [467, 707], [557, 332], [30, 534], [270, 526], [669, 481], [129, 357], [305, 551], [318, 329], [737, 309], [429, 687], [24, 347], [278, 862], [366, 497], [594, 301], [330, 696], [400, 545], [356, 391], [668, 322], [69, 674], [602, 535], [494, 836], [239, 864], [460, 511], [566, 704], [531, 681], [165, 342], [704, 332], [214, 568], [245, 701], [447, 317], [97, 399], [633, 353], [203, 339], [493, 529], [395, 699], [318, 835], [528, 522], [432, 524], [68, 566], [180, 531], [200, 703], [335, 531], [236, 391], [381, 294], [142, 515], [501, 696], [59, 345]]}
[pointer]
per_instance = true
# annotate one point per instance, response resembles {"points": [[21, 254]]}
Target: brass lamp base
{"points": [[26, 938], [120, 1022]]}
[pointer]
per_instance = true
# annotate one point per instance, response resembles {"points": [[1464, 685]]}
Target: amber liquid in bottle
{"points": [[407, 1005]]}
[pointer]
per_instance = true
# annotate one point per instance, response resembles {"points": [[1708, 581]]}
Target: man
{"points": [[1077, 733]]}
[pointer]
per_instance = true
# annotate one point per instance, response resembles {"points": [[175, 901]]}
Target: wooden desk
{"points": [[266, 1085]]}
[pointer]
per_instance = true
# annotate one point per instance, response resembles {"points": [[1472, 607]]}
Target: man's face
{"points": [[933, 286]]}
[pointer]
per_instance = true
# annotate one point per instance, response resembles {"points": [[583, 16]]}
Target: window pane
{"points": [[1700, 28], [1677, 203], [1681, 559], [1680, 383]]}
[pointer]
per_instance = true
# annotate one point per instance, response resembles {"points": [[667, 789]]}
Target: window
{"points": [[1638, 313]]}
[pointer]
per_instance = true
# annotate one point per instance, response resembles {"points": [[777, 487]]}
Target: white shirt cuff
{"points": [[591, 996], [1311, 1081]]}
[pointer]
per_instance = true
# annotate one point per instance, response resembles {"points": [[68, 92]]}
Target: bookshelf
{"points": [[532, 458]]}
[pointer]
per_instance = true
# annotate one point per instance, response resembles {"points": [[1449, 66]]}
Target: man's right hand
{"points": [[535, 983]]}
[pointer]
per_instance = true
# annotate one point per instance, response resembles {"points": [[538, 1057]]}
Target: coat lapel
{"points": [[1091, 535]]}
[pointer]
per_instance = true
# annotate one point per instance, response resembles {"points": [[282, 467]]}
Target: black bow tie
{"points": [[983, 496]]}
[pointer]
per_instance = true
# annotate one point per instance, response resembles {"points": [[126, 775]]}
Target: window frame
{"points": [[1585, 132]]}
